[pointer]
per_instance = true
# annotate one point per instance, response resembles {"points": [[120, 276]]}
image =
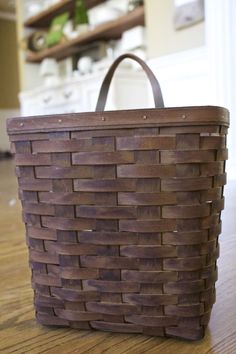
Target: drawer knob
{"points": [[47, 99], [67, 94]]}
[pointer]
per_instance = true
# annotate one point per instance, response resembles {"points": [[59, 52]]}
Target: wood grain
{"points": [[20, 333]]}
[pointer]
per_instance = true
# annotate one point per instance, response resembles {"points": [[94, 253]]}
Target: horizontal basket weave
{"points": [[122, 213]]}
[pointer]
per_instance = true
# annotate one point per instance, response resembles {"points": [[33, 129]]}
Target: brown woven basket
{"points": [[122, 213]]}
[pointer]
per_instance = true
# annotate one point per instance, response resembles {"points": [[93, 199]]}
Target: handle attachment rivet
{"points": [[103, 118], [21, 124], [144, 117], [59, 120], [184, 116]]}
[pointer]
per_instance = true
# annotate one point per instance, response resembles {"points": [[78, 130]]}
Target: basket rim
{"points": [[118, 119]]}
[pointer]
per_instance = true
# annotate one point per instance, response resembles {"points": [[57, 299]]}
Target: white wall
{"points": [[162, 38], [183, 77]]}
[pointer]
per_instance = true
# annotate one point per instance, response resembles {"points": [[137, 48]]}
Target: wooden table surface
{"points": [[19, 332]]}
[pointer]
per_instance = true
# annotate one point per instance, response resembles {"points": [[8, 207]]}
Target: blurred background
{"points": [[55, 53]]}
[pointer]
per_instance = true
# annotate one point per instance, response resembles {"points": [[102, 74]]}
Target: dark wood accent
{"points": [[106, 31], [43, 19]]}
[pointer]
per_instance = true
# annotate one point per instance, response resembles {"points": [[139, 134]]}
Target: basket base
{"points": [[184, 333]]}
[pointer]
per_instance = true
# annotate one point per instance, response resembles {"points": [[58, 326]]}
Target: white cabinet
{"points": [[129, 89]]}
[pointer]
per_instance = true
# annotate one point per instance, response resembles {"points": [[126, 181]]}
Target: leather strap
{"points": [[102, 98]]}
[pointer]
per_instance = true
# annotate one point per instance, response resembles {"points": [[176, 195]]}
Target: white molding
{"points": [[179, 60], [7, 16], [183, 77], [220, 41]]}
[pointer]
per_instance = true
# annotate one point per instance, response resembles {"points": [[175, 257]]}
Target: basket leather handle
{"points": [[102, 98]]}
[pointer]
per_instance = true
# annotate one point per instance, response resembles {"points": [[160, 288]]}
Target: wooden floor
{"points": [[19, 332]]}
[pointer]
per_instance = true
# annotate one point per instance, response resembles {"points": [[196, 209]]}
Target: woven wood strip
{"points": [[84, 145], [104, 185], [142, 143], [32, 160], [36, 185], [41, 233], [57, 172], [145, 171], [122, 220], [110, 158]]}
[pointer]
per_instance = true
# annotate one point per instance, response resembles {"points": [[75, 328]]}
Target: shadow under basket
{"points": [[122, 212]]}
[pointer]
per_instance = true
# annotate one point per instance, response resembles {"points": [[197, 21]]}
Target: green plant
{"points": [[55, 33], [81, 14]]}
